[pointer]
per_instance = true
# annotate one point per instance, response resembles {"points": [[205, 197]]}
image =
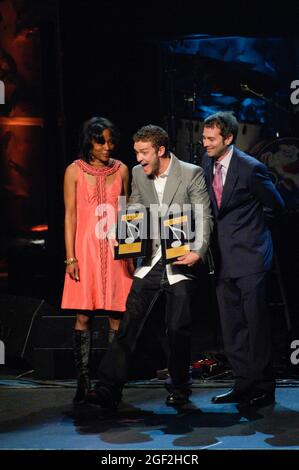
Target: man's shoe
{"points": [[177, 399], [261, 399], [102, 397], [233, 396]]}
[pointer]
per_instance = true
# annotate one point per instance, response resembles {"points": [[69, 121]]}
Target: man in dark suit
{"points": [[241, 193], [160, 182]]}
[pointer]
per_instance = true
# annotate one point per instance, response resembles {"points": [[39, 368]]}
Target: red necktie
{"points": [[217, 183]]}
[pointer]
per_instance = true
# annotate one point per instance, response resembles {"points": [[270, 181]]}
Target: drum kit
{"points": [[265, 129]]}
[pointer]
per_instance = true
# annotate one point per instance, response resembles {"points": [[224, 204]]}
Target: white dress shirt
{"points": [[172, 275], [225, 164]]}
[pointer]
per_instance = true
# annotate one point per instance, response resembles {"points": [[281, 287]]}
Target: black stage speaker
{"points": [[39, 337], [53, 349], [19, 319]]}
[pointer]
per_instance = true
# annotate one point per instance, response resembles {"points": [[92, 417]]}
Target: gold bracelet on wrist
{"points": [[70, 261]]}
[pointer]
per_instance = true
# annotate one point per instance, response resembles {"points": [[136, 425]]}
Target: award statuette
{"points": [[176, 235], [131, 234]]}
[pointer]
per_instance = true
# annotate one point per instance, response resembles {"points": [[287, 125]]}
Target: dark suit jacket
{"points": [[243, 239]]}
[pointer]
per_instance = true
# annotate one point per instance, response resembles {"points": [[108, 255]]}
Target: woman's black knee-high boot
{"points": [[82, 346]]}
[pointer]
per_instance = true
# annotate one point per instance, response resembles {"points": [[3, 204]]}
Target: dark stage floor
{"points": [[39, 415]]}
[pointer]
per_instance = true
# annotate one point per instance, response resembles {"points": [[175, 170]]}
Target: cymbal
{"points": [[207, 75]]}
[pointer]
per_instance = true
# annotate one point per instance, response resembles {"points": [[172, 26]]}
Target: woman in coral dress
{"points": [[94, 279]]}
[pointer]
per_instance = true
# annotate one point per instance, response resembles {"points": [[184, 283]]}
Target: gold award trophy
{"points": [[131, 234], [175, 236]]}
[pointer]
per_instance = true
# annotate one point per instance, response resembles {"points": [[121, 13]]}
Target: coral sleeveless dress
{"points": [[104, 282]]}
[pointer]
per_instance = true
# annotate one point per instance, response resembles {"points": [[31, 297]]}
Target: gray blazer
{"points": [[185, 185]]}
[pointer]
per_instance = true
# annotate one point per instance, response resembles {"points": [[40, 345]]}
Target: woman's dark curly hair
{"points": [[92, 130]]}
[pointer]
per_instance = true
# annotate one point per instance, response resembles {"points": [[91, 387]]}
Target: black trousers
{"points": [[246, 330], [113, 369]]}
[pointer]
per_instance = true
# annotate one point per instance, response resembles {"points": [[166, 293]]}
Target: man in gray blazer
{"points": [[160, 181]]}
